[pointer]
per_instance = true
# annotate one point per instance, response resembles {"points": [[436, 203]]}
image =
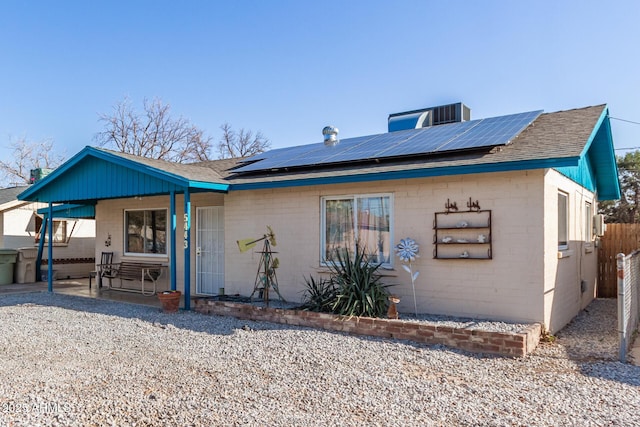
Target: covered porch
{"points": [[80, 287], [143, 211]]}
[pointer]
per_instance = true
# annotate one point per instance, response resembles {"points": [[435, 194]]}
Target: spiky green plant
{"points": [[359, 287], [319, 295]]}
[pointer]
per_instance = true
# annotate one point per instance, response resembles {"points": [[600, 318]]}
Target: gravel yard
{"points": [[72, 361]]}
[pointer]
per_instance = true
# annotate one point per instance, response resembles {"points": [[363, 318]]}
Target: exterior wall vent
{"points": [[432, 116], [330, 134]]}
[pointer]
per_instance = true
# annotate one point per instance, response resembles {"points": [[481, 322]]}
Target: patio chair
{"points": [[103, 270]]}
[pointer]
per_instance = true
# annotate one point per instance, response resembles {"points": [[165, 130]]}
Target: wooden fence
{"points": [[618, 238]]}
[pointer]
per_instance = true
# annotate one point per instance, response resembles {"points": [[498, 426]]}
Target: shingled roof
{"points": [[10, 194], [575, 142], [190, 171], [556, 139]]}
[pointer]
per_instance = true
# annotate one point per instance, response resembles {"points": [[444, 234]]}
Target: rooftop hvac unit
{"points": [[432, 116], [38, 174]]}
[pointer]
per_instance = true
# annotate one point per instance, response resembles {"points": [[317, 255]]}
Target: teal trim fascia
{"points": [[70, 211], [598, 168], [212, 186], [615, 193], [412, 173], [594, 131]]}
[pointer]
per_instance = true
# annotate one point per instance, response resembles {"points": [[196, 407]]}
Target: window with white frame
{"points": [[563, 220], [365, 219], [145, 231], [59, 231], [588, 222]]}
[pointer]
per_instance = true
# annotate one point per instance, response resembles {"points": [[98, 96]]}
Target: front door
{"points": [[210, 250]]}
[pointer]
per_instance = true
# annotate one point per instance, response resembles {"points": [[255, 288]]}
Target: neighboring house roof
{"points": [[9, 197], [578, 138], [577, 143]]}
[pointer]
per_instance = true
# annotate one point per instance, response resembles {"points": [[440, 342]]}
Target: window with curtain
{"points": [[365, 219], [146, 231], [59, 231]]}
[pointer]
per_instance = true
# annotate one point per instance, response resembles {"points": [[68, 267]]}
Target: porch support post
{"points": [[174, 237], [43, 232], [187, 249], [50, 248]]}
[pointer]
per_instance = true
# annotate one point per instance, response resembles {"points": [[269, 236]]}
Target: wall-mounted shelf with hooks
{"points": [[462, 235]]}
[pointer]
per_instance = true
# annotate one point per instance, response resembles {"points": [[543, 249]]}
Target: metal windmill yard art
{"points": [[266, 276]]}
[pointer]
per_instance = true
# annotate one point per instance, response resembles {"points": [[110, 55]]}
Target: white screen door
{"points": [[210, 250]]}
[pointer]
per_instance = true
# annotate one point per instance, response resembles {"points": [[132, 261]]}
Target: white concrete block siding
{"points": [[18, 232], [524, 282]]}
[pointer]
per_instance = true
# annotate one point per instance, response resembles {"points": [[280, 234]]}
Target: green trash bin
{"points": [[7, 261]]}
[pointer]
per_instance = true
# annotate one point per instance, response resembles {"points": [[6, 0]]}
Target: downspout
{"points": [[50, 249], [187, 249], [174, 238]]}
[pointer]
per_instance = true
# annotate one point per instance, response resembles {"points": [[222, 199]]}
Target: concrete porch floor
{"points": [[80, 287]]}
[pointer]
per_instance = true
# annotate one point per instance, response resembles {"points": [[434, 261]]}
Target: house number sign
{"points": [[186, 231]]}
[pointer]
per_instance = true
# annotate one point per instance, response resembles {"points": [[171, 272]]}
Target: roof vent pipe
{"points": [[330, 134]]}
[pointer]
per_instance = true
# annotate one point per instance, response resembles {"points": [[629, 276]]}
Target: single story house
{"points": [[502, 208], [73, 236]]}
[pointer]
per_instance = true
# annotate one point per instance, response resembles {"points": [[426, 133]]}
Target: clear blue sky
{"points": [[288, 68]]}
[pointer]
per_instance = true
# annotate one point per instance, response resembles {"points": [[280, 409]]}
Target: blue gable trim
{"points": [[94, 174], [597, 169], [581, 174]]}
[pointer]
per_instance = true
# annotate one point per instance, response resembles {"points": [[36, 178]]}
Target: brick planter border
{"points": [[502, 343]]}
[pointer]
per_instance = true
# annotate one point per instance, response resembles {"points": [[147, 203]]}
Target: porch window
{"points": [[563, 221], [365, 219], [146, 231], [59, 231]]}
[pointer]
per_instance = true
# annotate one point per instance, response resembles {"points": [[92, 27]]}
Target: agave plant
{"points": [[359, 290], [319, 295]]}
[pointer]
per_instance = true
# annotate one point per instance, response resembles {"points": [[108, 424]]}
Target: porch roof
{"points": [[96, 174]]}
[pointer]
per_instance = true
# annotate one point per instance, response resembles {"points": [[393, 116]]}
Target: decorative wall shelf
{"points": [[462, 235]]}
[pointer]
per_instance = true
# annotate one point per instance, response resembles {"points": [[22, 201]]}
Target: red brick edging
{"points": [[506, 344]]}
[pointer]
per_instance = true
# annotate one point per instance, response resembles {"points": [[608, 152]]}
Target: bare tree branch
{"points": [[153, 133], [240, 144], [27, 155]]}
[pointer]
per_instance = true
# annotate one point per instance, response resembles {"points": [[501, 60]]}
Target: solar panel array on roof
{"points": [[468, 135]]}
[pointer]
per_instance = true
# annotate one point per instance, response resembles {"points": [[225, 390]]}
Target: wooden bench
{"points": [[132, 271]]}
